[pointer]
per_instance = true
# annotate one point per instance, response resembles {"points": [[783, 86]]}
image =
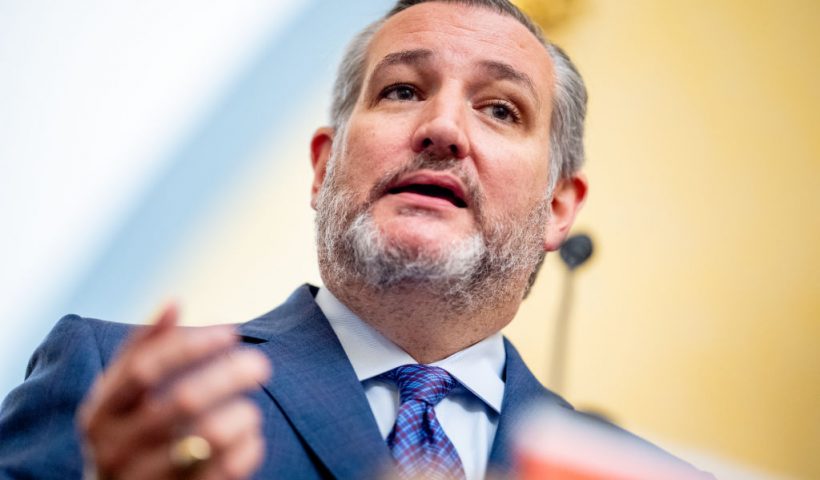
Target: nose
{"points": [[441, 131]]}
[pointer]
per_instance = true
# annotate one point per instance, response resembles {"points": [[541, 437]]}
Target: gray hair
{"points": [[568, 103]]}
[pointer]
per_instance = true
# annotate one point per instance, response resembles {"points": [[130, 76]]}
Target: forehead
{"points": [[462, 35]]}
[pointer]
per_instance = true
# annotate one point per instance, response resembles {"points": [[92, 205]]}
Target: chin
{"points": [[433, 238]]}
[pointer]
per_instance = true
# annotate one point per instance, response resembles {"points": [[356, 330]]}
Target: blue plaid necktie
{"points": [[418, 443]]}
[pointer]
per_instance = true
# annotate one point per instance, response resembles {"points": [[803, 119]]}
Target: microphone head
{"points": [[576, 250]]}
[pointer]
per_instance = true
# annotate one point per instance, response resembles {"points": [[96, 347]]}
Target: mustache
{"points": [[426, 161]]}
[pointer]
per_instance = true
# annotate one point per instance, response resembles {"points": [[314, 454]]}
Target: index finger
{"points": [[166, 319], [155, 356]]}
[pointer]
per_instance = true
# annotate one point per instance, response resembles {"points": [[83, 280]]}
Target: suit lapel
{"points": [[521, 391], [316, 387]]}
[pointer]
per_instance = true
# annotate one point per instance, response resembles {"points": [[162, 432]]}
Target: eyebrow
{"points": [[495, 69], [504, 71], [404, 57]]}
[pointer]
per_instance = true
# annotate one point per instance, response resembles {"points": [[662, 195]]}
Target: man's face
{"points": [[449, 140]]}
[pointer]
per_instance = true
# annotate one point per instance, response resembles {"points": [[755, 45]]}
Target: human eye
{"points": [[503, 111], [400, 92]]}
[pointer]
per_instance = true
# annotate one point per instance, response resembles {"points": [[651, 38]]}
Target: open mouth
{"points": [[430, 190]]}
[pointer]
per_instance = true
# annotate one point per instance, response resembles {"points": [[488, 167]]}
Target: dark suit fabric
{"points": [[317, 421]]}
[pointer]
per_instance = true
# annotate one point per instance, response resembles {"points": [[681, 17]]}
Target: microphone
{"points": [[575, 251]]}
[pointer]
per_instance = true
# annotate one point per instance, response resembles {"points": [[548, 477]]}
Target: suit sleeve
{"points": [[38, 436]]}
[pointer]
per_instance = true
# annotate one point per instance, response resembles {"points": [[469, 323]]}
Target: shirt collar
{"points": [[479, 368]]}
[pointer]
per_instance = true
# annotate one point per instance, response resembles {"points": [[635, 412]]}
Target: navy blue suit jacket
{"points": [[317, 421]]}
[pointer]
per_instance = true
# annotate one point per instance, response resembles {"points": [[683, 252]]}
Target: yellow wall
{"points": [[698, 320]]}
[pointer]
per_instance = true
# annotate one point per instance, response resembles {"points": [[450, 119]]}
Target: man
{"points": [[451, 167]]}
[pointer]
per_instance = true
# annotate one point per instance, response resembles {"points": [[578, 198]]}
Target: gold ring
{"points": [[189, 452]]}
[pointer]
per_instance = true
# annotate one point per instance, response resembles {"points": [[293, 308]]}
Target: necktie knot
{"points": [[418, 443], [424, 383]]}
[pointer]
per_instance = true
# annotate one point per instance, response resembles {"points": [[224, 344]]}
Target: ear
{"points": [[321, 147], [567, 200]]}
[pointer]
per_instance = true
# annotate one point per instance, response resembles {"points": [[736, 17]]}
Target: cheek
{"points": [[375, 146], [368, 156], [515, 182]]}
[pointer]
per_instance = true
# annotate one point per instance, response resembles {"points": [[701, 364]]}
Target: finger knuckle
{"points": [[248, 411], [190, 345], [186, 400], [216, 432], [155, 416], [235, 467], [142, 372]]}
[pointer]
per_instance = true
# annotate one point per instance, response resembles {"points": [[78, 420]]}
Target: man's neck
{"points": [[426, 326]]}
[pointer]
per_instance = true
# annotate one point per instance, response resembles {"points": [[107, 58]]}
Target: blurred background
{"points": [[154, 150]]}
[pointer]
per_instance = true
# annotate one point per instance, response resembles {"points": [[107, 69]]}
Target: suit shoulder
{"points": [[73, 334], [37, 417], [73, 324]]}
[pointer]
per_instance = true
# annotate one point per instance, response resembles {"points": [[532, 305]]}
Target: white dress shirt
{"points": [[469, 414]]}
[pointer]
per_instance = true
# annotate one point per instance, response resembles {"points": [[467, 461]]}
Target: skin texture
{"points": [[454, 101], [457, 82]]}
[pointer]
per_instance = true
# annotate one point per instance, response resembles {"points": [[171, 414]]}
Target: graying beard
{"points": [[466, 274], [385, 266]]}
